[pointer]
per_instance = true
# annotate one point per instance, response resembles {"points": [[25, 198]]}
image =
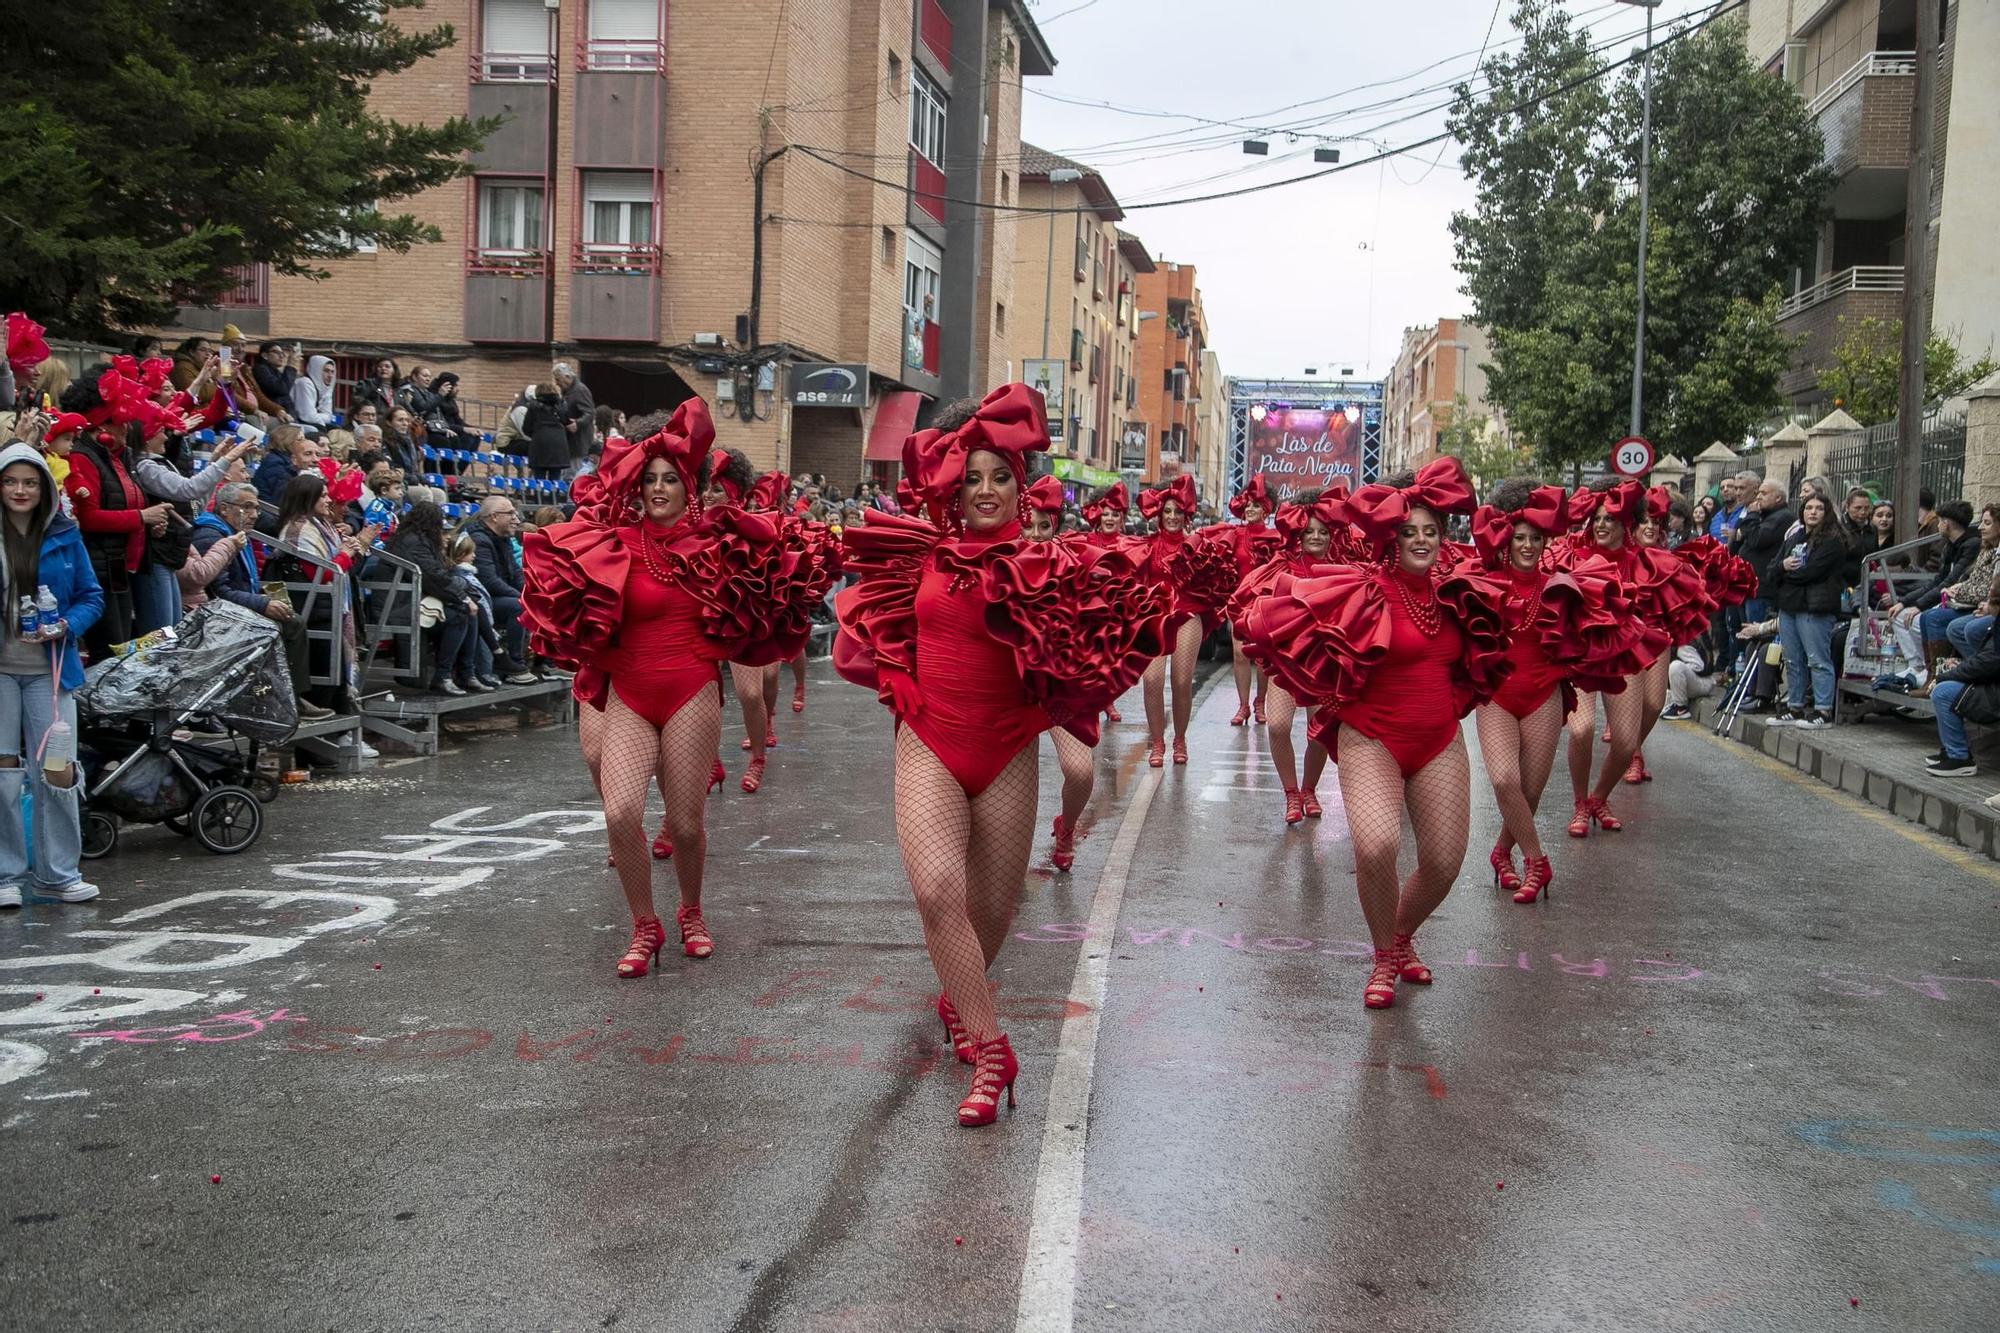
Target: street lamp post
{"points": [[1057, 176], [1645, 162]]}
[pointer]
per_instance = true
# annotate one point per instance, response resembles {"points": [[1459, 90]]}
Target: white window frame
{"points": [[923, 275], [928, 116], [522, 186], [618, 37], [625, 191], [532, 62]]}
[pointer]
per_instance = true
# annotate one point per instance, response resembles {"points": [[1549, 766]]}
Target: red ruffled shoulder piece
{"points": [[1591, 629], [1319, 634], [1459, 555], [1670, 593], [1204, 575], [1084, 623], [573, 590], [1730, 579], [1480, 606], [759, 578], [878, 615]]}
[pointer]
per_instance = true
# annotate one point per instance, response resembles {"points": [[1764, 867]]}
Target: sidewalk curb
{"points": [[1968, 822]]}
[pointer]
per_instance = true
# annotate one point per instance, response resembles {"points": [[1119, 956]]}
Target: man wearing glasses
{"points": [[500, 575], [231, 521]]}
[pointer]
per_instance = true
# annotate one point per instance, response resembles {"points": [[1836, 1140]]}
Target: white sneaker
{"points": [[10, 895], [80, 892], [369, 752]]}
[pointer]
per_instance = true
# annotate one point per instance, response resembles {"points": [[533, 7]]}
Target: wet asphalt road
{"points": [[1739, 1071]]}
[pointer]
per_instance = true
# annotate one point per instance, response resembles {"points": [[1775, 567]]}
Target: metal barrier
{"points": [[1872, 626], [393, 604], [330, 584]]}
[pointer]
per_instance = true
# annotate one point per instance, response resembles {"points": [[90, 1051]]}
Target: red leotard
{"points": [[973, 717], [658, 663], [1534, 676], [1406, 702]]}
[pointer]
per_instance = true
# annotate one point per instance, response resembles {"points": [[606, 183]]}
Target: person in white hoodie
{"points": [[312, 394]]}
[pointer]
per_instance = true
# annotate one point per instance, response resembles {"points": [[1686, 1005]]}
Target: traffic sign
{"points": [[1632, 456]]}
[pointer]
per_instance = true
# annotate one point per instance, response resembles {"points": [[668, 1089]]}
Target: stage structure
{"points": [[1303, 433]]}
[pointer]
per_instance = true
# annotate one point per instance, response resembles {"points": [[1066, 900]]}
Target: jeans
{"points": [[1807, 640], [1933, 624], [1951, 727], [454, 655], [58, 828], [1967, 633], [482, 647], [507, 619], [156, 598]]}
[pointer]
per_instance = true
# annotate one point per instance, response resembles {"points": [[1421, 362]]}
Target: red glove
{"points": [[899, 688]]}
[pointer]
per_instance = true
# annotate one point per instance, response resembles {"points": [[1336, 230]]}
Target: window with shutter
{"points": [[620, 213], [625, 34], [510, 220], [514, 42]]}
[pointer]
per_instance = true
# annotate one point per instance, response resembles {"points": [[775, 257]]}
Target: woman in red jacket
{"points": [[1252, 542], [109, 507]]}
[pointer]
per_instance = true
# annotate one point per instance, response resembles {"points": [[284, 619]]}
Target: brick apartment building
{"points": [[1173, 333], [613, 219], [1853, 61], [1436, 365], [1088, 271]]}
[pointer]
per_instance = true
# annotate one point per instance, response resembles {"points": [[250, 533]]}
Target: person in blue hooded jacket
{"points": [[40, 546]]}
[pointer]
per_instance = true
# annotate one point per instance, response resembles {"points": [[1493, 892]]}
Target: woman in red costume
{"points": [[1314, 531], [1562, 628], [979, 642], [1104, 527], [1399, 650], [1666, 596], [730, 482], [1201, 572], [1252, 542], [1044, 501], [649, 595]]}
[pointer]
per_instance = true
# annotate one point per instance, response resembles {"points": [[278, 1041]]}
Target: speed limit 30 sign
{"points": [[1632, 457]]}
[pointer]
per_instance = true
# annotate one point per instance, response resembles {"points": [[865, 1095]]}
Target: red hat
{"points": [[1380, 510], [718, 465], [1493, 529], [65, 423], [1010, 422], [1180, 490], [1045, 495], [683, 441], [1255, 493], [1114, 498], [1623, 502], [1659, 503], [769, 491]]}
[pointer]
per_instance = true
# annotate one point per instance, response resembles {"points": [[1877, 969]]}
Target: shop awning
{"points": [[895, 421], [1068, 469]]}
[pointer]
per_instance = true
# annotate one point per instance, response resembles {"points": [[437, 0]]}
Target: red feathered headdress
{"points": [[1045, 495], [718, 463], [1330, 509], [1380, 510], [1255, 493], [1180, 490], [1493, 529], [1010, 422], [1624, 502], [26, 347], [683, 441], [1114, 498]]}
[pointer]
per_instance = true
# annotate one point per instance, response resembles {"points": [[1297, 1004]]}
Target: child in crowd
{"points": [[386, 483], [484, 638]]}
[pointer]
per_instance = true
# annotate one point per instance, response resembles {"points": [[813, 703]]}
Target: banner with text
{"points": [[1297, 448]]}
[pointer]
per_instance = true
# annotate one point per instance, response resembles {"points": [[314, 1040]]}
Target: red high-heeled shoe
{"points": [[1180, 750], [695, 940], [743, 744], [799, 697], [771, 740], [648, 937], [1502, 860], [1579, 822], [1241, 715], [1600, 811], [1063, 854], [1295, 806], [1412, 967], [1380, 992], [1537, 880], [1635, 772], [1113, 715], [753, 776], [1310, 799], [962, 1044], [663, 846], [1156, 753], [993, 1070], [716, 776], [1257, 709]]}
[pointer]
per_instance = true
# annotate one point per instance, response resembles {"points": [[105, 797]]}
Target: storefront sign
{"points": [[829, 384]]}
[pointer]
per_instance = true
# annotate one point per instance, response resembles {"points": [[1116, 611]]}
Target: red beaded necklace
{"points": [[1425, 615], [653, 553]]}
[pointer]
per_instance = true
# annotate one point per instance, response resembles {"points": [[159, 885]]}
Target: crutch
{"points": [[1739, 694]]}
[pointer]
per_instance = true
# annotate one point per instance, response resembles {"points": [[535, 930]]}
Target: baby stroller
{"points": [[223, 668]]}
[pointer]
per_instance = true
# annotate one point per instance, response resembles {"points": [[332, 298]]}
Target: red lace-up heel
{"points": [[1257, 709], [753, 776], [1113, 715], [1412, 967], [1579, 823], [1600, 811], [695, 941], [1180, 750], [648, 938], [1539, 877], [1241, 715], [1156, 753], [743, 744], [799, 697], [993, 1071], [1380, 992], [1295, 805], [1635, 772], [771, 739], [1504, 875], [1309, 799], [1605, 739], [962, 1044], [716, 777], [1063, 854], [663, 846]]}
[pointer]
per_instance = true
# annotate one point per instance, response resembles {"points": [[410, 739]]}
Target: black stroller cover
{"points": [[224, 662]]}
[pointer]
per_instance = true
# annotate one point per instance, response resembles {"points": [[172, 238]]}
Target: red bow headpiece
{"points": [[1493, 529], [1045, 495], [768, 492], [1255, 493], [1115, 498], [26, 347], [683, 441], [1180, 490], [1624, 502], [1330, 509], [1011, 422], [718, 465], [1380, 510], [148, 375], [1659, 503]]}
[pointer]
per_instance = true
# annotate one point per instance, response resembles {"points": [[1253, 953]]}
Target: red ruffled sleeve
{"points": [[1730, 579], [1480, 607], [878, 615], [1591, 629], [1319, 634], [759, 577], [1084, 623], [1204, 576], [1670, 594], [573, 590]]}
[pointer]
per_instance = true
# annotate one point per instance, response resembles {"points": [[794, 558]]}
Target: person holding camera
{"points": [[1808, 578]]}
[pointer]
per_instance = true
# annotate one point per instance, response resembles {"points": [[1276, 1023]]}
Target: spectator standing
{"points": [[578, 411], [547, 430], [1949, 701], [1757, 535], [499, 571], [608, 424], [112, 512], [1704, 515], [1929, 523], [312, 395], [450, 416], [228, 528], [1808, 577]]}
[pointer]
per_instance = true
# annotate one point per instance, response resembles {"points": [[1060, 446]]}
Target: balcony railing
{"points": [[508, 263], [621, 53], [252, 287], [1875, 63], [1862, 278], [927, 186], [935, 28], [599, 258], [923, 343], [513, 66]]}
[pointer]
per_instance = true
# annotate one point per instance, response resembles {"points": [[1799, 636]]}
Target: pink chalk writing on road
{"points": [[220, 1028]]}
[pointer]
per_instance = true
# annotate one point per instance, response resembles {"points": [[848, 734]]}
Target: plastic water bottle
{"points": [[47, 614], [59, 748], [30, 621]]}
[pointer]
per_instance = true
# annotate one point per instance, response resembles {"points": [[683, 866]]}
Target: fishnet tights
{"points": [[1519, 753], [1375, 794], [1079, 773], [679, 755], [1654, 681], [1246, 671], [966, 857], [1280, 709], [1622, 713], [1187, 647], [756, 687]]}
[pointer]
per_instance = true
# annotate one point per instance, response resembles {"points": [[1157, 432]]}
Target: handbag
{"points": [[1979, 703], [430, 613]]}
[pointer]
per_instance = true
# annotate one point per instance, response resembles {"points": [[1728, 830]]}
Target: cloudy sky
{"points": [[1327, 272]]}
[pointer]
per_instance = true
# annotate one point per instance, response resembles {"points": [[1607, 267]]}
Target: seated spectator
{"points": [[289, 453], [274, 373], [479, 677], [547, 516], [235, 579], [1958, 677], [1962, 548], [382, 501], [1691, 675], [193, 353], [1929, 523], [399, 443], [1965, 633], [312, 395], [1963, 598], [306, 522], [379, 390], [420, 541], [547, 434], [499, 569]]}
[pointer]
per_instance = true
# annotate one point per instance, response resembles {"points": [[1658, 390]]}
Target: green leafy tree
{"points": [[1489, 457], [1868, 361], [148, 146], [1550, 249]]}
